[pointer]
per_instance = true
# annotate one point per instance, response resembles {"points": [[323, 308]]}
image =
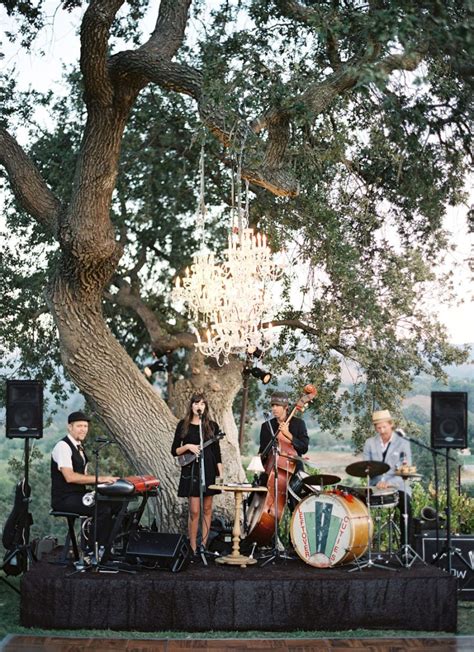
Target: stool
{"points": [[71, 533]]}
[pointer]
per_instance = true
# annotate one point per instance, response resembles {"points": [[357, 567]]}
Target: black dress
{"points": [[189, 481]]}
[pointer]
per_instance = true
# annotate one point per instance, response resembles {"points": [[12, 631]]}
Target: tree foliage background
{"points": [[353, 123]]}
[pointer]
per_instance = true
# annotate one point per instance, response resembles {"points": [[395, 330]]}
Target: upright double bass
{"points": [[267, 508]]}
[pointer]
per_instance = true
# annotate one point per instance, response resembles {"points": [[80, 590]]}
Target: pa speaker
{"points": [[24, 408], [158, 550], [449, 419]]}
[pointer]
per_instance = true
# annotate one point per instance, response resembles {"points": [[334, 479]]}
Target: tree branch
{"points": [[161, 340], [95, 29], [168, 35], [27, 183]]}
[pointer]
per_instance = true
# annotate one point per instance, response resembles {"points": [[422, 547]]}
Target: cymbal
{"points": [[321, 479], [367, 467], [298, 458]]}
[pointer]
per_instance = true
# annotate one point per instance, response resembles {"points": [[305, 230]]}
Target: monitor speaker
{"points": [[449, 419], [24, 409], [160, 550]]}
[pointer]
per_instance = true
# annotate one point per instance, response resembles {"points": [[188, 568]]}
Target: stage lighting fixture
{"points": [[151, 369], [255, 352], [264, 376]]}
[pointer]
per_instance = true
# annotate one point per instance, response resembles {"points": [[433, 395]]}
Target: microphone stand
{"points": [[448, 549], [276, 554], [95, 565], [434, 453], [95, 557], [202, 486]]}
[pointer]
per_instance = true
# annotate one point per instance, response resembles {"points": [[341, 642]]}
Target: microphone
{"points": [[199, 413], [101, 440], [267, 416], [401, 433]]}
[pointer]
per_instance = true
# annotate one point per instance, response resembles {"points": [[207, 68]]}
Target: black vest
{"points": [[60, 489]]}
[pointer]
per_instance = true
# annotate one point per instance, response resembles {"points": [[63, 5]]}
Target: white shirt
{"points": [[62, 453], [384, 446]]}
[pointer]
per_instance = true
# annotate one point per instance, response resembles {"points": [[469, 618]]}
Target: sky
{"points": [[60, 47]]}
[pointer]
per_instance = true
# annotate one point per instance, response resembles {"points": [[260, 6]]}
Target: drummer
{"points": [[389, 447], [294, 432]]}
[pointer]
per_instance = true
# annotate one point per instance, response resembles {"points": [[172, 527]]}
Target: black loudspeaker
{"points": [[449, 419], [158, 550], [24, 408]]}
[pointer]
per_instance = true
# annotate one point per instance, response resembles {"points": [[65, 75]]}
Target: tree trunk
{"points": [[130, 408]]}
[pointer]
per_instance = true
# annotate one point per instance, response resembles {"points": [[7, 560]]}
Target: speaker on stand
{"points": [[24, 420], [24, 409], [449, 431], [449, 419]]}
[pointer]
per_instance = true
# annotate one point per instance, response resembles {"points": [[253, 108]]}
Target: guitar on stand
{"points": [[16, 532]]}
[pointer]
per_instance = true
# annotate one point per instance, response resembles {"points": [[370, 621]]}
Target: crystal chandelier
{"points": [[233, 298]]}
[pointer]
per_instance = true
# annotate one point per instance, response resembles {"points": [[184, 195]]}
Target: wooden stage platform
{"points": [[24, 643], [288, 596]]}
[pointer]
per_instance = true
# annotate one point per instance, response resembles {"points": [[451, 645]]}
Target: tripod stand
{"points": [[407, 554], [368, 469], [448, 549]]}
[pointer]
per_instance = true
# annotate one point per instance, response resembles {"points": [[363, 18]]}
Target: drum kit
{"points": [[333, 524]]}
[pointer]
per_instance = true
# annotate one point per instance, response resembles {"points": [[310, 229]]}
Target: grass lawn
{"points": [[10, 624]]}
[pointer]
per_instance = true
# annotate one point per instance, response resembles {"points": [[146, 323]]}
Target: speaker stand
{"points": [[448, 550]]}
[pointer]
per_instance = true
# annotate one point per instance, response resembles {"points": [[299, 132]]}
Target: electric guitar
{"points": [[188, 457]]}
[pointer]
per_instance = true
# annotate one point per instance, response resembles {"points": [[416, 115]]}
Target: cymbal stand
{"points": [[392, 528], [407, 555], [369, 563], [278, 552]]}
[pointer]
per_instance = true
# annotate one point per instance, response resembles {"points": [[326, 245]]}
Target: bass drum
{"points": [[330, 528]]}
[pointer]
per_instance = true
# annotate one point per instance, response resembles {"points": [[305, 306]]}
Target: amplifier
{"points": [[161, 550], [462, 560]]}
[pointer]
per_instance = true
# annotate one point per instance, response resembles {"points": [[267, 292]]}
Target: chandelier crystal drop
{"points": [[233, 298]]}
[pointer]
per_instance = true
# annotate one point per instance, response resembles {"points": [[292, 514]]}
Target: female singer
{"points": [[187, 439]]}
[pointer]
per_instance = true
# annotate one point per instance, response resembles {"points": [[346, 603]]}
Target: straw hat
{"points": [[381, 415]]}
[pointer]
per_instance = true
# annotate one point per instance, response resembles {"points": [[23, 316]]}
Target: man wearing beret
{"points": [[69, 478], [389, 447]]}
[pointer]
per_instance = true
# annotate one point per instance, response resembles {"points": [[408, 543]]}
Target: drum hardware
{"points": [[407, 555], [379, 498], [393, 533], [368, 469], [323, 480]]}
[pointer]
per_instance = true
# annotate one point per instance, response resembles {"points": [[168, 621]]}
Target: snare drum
{"points": [[330, 528], [385, 498]]}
